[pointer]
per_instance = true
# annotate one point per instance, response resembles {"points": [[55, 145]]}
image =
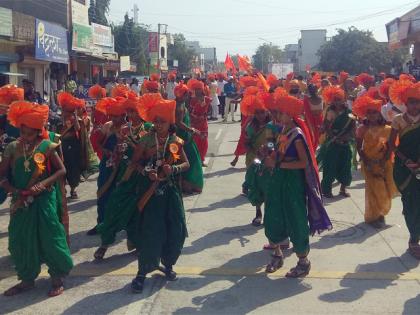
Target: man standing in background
{"points": [[221, 94]]}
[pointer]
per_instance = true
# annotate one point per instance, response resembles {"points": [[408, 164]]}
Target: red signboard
{"points": [[153, 42]]}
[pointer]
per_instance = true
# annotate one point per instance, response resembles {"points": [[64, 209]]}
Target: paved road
{"points": [[356, 269]]}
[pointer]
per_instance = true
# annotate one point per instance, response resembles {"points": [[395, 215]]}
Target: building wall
{"points": [[309, 44]]}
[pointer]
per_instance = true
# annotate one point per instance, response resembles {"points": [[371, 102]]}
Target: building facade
{"points": [[308, 47], [206, 58]]}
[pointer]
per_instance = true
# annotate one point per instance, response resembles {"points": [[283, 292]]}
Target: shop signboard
{"points": [[82, 38], [23, 27], [79, 13], [153, 42], [102, 35], [51, 42], [125, 63], [6, 26]]}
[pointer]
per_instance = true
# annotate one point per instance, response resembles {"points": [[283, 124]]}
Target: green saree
{"points": [[406, 181], [194, 176], [36, 235]]}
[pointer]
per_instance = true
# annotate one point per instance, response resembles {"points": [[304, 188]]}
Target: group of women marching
{"points": [[152, 148]]}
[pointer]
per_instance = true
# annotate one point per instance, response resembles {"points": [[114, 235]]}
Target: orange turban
{"points": [[252, 90], [409, 77], [195, 84], [343, 77], [154, 77], [384, 87], [151, 86], [267, 99], [289, 105], [10, 93], [172, 75], [247, 81], [333, 94], [250, 104], [120, 90], [132, 102], [221, 76], [69, 103], [365, 78], [290, 76], [32, 115], [112, 106], [401, 91], [211, 77], [97, 92], [180, 90], [373, 92], [152, 105], [364, 103], [272, 80]]}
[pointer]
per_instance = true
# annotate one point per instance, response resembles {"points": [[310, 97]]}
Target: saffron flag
{"points": [[229, 64], [244, 63]]}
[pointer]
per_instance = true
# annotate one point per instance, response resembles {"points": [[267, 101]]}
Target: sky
{"points": [[240, 26]]}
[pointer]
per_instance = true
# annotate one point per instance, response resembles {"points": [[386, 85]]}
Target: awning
{"points": [[13, 74]]}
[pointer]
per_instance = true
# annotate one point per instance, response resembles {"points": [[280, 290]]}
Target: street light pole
{"points": [[270, 57]]}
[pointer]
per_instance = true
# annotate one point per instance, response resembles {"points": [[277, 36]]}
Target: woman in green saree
{"points": [[162, 227], [35, 232], [193, 179], [335, 154], [121, 208], [407, 158]]}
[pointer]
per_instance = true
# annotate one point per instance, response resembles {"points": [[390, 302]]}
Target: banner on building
{"points": [[51, 42], [6, 25], [125, 63], [153, 42], [23, 27], [82, 38], [79, 13], [102, 35]]}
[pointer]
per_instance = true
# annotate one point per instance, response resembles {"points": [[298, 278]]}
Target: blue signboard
{"points": [[51, 42]]}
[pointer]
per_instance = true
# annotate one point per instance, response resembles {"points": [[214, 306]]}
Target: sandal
{"points": [[275, 264], [414, 250], [74, 195], [257, 221], [19, 288], [56, 290], [100, 253], [269, 247], [137, 284], [344, 194], [301, 270]]}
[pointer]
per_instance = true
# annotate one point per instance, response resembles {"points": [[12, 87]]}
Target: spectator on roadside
{"points": [[231, 93], [135, 86], [30, 94], [221, 94]]}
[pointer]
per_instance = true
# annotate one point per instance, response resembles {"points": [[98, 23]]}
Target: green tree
{"points": [[265, 55], [357, 51], [132, 40], [179, 51], [98, 11]]}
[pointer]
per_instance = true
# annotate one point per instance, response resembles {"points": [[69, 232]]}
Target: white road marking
{"points": [[219, 133]]}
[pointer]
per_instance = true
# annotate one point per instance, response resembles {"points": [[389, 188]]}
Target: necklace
{"points": [[158, 156], [26, 162]]}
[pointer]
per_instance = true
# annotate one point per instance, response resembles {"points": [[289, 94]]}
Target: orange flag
{"points": [[263, 82], [244, 63], [229, 64]]}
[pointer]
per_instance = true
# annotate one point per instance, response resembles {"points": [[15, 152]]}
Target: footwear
{"points": [[414, 250], [74, 195], [257, 221], [301, 270], [137, 284], [100, 253], [92, 232], [57, 288], [275, 264], [170, 274], [344, 194]]}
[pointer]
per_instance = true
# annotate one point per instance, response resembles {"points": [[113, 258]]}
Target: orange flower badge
{"points": [[174, 149], [39, 160]]}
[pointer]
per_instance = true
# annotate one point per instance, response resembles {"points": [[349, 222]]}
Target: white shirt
{"points": [[220, 87], [388, 111], [135, 88], [170, 87]]}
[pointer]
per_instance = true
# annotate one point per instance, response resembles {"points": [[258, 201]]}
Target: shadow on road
{"points": [[412, 306], [221, 173], [81, 205], [354, 289], [222, 204]]}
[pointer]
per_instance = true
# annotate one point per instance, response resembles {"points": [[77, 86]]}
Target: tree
{"points": [[265, 55], [179, 51], [356, 51], [98, 10], [132, 40]]}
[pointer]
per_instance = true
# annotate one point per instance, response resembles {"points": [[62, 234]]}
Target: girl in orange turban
{"points": [[162, 159], [120, 209], [192, 180], [74, 137], [293, 182], [110, 140], [335, 155], [407, 159], [372, 145], [29, 169], [199, 105]]}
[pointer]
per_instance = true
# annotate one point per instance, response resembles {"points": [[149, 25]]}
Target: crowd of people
{"points": [[149, 143]]}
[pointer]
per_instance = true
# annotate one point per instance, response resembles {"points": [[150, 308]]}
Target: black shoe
{"points": [[169, 273], [92, 232], [137, 284]]}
